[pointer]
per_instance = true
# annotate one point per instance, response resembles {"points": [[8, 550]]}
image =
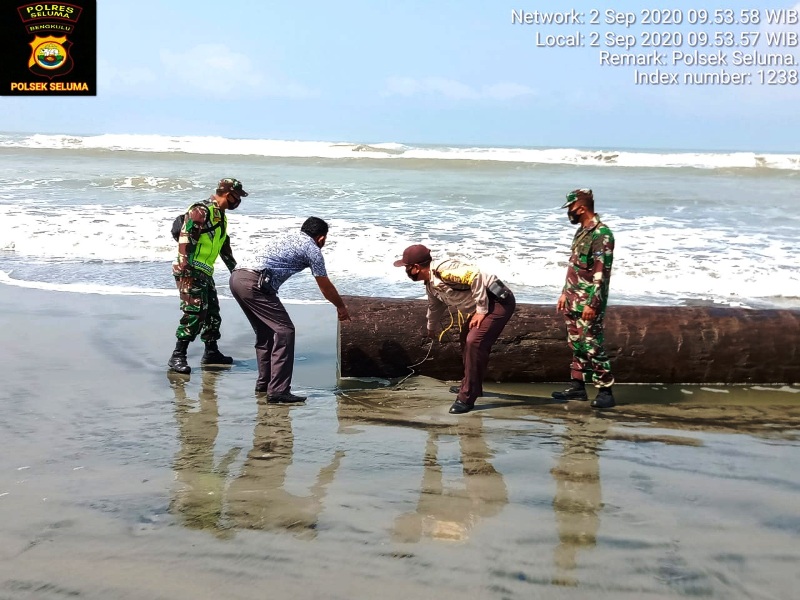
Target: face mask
{"points": [[233, 202], [412, 276], [574, 217]]}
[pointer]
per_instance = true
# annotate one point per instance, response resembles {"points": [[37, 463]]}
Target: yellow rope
{"points": [[462, 320], [446, 329]]}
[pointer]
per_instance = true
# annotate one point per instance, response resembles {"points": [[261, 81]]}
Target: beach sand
{"points": [[118, 480]]}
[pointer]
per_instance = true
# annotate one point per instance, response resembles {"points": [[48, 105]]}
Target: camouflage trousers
{"points": [[200, 307], [589, 360]]}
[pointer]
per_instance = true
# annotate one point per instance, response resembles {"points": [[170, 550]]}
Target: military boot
{"points": [[212, 356], [604, 399], [177, 362], [575, 391]]}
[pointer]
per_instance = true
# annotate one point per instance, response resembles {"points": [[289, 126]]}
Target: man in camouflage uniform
{"points": [[583, 300], [203, 237]]}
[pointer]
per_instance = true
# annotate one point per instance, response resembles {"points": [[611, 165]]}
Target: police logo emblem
{"points": [[50, 56]]}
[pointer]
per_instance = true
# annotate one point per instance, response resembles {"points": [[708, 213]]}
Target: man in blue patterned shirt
{"points": [[255, 283]]}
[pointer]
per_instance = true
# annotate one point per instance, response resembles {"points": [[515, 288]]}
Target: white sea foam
{"points": [[84, 288], [393, 151], [657, 258], [116, 290]]}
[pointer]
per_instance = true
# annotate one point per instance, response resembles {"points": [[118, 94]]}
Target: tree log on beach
{"points": [[646, 344]]}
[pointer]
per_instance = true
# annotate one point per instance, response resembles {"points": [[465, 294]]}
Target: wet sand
{"points": [[119, 481]]}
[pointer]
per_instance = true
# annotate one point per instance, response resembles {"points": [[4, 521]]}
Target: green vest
{"points": [[210, 243]]}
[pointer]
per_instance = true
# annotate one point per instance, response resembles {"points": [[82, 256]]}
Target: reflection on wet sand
{"points": [[257, 498], [578, 499], [451, 514], [504, 521], [201, 483], [208, 497]]}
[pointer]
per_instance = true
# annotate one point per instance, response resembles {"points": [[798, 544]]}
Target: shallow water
{"points": [[381, 489]]}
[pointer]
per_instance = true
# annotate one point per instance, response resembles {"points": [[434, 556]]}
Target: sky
{"points": [[419, 71]]}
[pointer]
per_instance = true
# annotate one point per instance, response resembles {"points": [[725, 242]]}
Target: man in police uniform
{"points": [[203, 237], [481, 298], [583, 300]]}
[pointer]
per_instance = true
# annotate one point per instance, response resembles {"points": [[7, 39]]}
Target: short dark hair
{"points": [[587, 202], [315, 227]]}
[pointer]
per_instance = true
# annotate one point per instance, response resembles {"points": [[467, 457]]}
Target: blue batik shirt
{"points": [[285, 256]]}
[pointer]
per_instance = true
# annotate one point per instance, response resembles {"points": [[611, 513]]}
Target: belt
{"points": [[203, 268]]}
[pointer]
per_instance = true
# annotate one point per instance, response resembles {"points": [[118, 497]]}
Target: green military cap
{"points": [[579, 194], [229, 184]]}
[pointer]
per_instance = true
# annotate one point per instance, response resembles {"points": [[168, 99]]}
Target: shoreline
{"points": [[790, 303]]}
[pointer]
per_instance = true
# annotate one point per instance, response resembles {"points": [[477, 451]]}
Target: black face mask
{"points": [[412, 276], [574, 217], [234, 201]]}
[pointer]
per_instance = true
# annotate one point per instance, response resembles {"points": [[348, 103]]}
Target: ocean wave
{"points": [[391, 151], [147, 183]]}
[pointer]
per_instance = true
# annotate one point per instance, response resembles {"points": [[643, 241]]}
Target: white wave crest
{"points": [[393, 151]]}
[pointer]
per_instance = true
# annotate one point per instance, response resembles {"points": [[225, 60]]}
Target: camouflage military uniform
{"points": [[195, 280], [588, 277]]}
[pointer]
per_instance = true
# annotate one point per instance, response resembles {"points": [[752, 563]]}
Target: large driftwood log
{"points": [[646, 344]]}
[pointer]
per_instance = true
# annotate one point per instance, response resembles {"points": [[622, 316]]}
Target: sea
{"points": [[92, 214]]}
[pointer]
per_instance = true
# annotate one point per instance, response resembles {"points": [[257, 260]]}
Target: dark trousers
{"points": [[274, 332], [476, 344]]}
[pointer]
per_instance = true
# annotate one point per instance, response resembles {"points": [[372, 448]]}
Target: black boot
{"points": [[575, 391], [212, 356], [177, 362], [604, 399], [285, 398]]}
